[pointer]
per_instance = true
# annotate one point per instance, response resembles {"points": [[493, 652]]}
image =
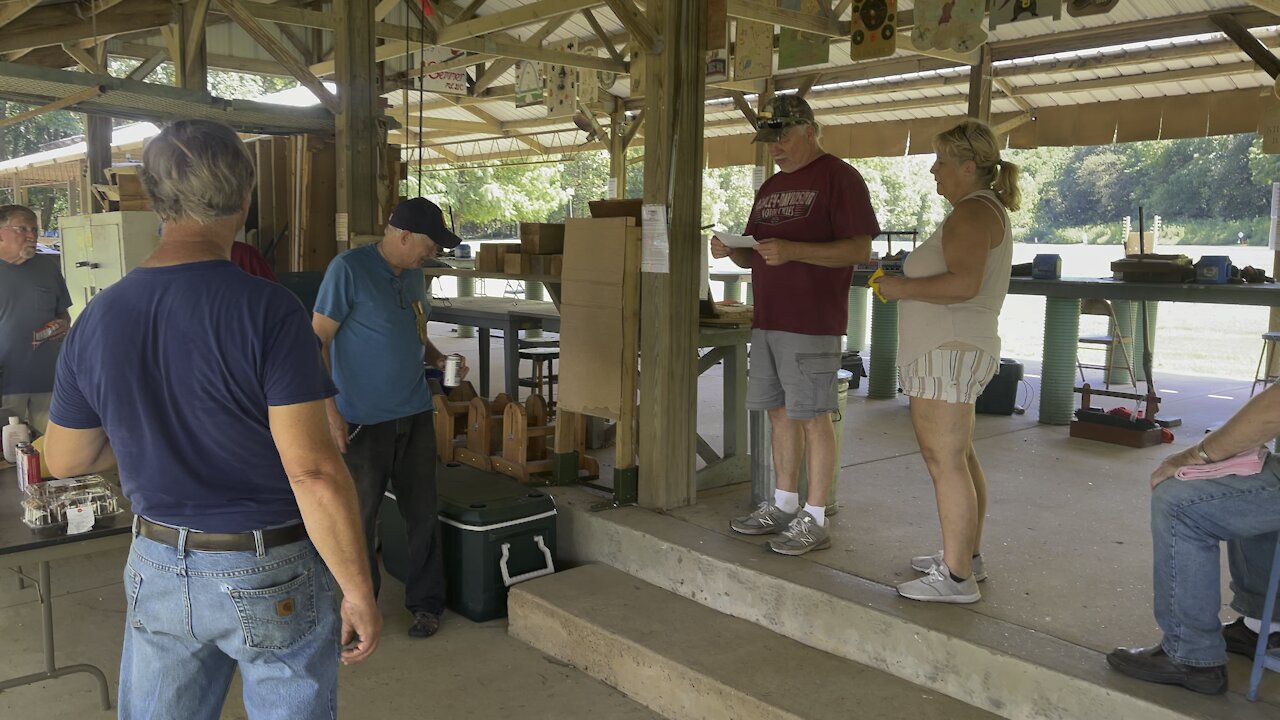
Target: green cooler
{"points": [[495, 533]]}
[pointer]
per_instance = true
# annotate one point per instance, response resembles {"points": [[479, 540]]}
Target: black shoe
{"points": [[1243, 641], [1153, 665], [424, 625]]}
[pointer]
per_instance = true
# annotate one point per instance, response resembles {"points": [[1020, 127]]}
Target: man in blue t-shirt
{"points": [[206, 387], [371, 318], [33, 317]]}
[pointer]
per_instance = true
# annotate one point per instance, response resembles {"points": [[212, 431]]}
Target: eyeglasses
{"points": [[22, 229], [397, 287], [964, 131]]}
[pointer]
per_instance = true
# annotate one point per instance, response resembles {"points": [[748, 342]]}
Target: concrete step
{"points": [[993, 664], [689, 662]]}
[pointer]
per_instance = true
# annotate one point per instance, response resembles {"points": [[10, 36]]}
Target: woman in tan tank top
{"points": [[949, 349]]}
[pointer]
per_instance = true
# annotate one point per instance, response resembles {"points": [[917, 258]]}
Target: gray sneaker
{"points": [[925, 563], [802, 535], [765, 520], [938, 586]]}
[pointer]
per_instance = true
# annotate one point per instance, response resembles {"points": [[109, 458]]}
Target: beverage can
{"points": [[452, 370]]}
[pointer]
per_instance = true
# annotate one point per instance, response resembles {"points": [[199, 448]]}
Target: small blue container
{"points": [[462, 252], [1213, 269], [1046, 266]]}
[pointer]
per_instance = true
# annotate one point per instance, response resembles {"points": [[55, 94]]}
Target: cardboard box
{"points": [[541, 238], [490, 256], [617, 208], [516, 263], [599, 300]]}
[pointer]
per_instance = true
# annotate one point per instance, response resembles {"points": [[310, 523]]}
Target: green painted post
{"points": [[466, 288], [1139, 342], [856, 337], [733, 290], [533, 291], [882, 384], [1126, 319], [1058, 372]]}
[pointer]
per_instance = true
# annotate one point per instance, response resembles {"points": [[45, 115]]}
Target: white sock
{"points": [[1255, 625], [819, 513], [787, 502]]}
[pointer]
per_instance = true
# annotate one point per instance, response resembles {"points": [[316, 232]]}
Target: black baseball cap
{"points": [[783, 112], [421, 216]]}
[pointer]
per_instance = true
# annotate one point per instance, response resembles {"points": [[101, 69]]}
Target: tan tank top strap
{"points": [[986, 197]]}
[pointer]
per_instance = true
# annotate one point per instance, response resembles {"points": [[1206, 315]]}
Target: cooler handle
{"points": [[508, 581]]}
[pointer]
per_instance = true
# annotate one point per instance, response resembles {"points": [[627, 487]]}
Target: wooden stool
{"points": [[1269, 340], [541, 356]]}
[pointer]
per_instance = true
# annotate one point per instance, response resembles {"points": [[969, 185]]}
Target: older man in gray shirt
{"points": [[33, 317]]}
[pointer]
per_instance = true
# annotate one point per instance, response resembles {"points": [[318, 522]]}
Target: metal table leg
{"points": [[511, 356], [51, 670], [484, 362]]}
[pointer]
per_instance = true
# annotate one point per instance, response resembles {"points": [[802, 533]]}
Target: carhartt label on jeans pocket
{"points": [[284, 608]]}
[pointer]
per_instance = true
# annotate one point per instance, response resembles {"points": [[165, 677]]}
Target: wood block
{"points": [[545, 264], [516, 263], [557, 265], [489, 257], [541, 238]]}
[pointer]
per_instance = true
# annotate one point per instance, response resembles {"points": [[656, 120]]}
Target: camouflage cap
{"points": [[783, 112]]}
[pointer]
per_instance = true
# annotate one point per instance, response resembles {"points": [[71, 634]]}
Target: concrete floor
{"points": [[468, 670], [1067, 547]]}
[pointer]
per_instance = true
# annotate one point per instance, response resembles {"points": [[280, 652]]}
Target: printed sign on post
{"points": [[656, 255]]}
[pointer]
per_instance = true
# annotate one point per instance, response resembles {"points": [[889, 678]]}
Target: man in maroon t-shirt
{"points": [[813, 222]]}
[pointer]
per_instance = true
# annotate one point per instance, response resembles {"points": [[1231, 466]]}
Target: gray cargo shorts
{"points": [[793, 371]]}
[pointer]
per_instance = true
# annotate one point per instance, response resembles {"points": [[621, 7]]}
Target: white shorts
{"points": [[953, 375]]}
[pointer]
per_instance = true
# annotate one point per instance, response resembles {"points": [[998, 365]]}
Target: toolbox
{"points": [[494, 531]]}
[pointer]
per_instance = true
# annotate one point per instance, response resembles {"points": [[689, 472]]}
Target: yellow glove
{"points": [[873, 282]]}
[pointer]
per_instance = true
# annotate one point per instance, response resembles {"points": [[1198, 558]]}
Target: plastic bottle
{"points": [[15, 432]]}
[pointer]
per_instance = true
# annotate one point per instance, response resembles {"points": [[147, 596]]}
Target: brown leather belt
{"points": [[221, 542]]}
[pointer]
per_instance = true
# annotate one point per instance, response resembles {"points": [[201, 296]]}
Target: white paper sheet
{"points": [[79, 519], [737, 241]]}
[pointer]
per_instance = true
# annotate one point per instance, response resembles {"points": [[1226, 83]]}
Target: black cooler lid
{"points": [[470, 496]]}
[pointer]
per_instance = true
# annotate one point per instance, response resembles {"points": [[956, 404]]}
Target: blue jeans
{"points": [[1188, 520], [193, 617]]}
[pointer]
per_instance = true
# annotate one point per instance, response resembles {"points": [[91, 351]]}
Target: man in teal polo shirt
{"points": [[371, 316]]}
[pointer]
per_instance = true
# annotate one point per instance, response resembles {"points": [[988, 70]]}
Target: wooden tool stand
{"points": [[502, 436], [1095, 424]]}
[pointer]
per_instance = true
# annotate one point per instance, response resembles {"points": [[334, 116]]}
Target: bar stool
{"points": [[1269, 340], [543, 360], [1263, 660]]}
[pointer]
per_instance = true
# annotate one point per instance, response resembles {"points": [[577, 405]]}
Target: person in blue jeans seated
{"points": [[1188, 520], [206, 388], [371, 318]]}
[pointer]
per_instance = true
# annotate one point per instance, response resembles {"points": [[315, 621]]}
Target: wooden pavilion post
{"points": [[359, 134], [675, 87]]}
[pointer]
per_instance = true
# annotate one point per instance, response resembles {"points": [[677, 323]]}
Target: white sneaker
{"points": [[925, 563], [938, 586]]}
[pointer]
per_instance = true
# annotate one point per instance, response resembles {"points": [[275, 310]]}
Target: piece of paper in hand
{"points": [[79, 519], [737, 241]]}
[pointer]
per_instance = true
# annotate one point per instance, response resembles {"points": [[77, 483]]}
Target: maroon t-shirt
{"points": [[823, 201]]}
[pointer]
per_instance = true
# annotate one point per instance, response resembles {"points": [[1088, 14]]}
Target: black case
{"points": [[483, 516], [1001, 394]]}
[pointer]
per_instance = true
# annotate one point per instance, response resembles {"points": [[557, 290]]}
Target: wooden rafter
{"points": [[841, 7], [1248, 43], [515, 17], [195, 33], [263, 37], [469, 11], [57, 24], [1017, 121], [1003, 86], [148, 65], [84, 59], [221, 62], [68, 101], [768, 13], [604, 36], [591, 117], [1271, 6], [384, 8], [641, 29], [11, 11], [744, 107], [498, 68]]}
